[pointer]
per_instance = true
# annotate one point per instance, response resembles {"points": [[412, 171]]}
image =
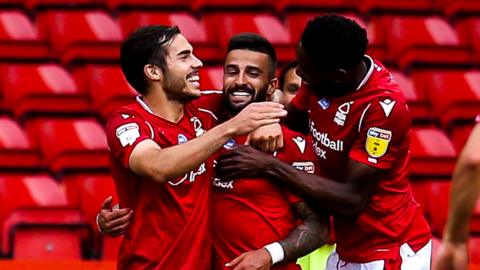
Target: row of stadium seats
{"points": [[449, 96], [94, 35], [45, 219], [447, 7]]}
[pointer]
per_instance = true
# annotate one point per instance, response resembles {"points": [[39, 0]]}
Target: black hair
{"points": [[142, 47], [256, 43], [334, 41], [283, 73]]}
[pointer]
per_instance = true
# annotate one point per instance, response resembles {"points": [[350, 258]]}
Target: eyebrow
{"points": [[184, 52]]}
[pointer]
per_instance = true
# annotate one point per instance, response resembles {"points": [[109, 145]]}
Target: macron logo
{"points": [[300, 142]]}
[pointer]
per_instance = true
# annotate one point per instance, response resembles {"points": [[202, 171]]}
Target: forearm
{"points": [[306, 237], [321, 193], [464, 194], [168, 163]]}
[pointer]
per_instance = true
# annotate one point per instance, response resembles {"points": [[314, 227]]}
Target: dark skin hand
{"points": [[347, 199]]}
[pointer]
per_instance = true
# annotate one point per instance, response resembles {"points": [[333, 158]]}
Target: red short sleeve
{"points": [[124, 131], [383, 134], [300, 101]]}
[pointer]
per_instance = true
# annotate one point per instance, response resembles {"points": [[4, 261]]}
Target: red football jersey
{"points": [[250, 213], [372, 126], [170, 228]]}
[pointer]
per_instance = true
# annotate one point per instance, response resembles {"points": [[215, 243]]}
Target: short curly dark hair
{"points": [[334, 41]]}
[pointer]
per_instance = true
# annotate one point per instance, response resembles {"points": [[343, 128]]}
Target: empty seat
{"points": [[144, 4], [439, 198], [18, 191], [459, 134], [82, 35], [223, 26], [16, 149], [48, 89], [474, 251], [432, 153], [205, 47], [106, 86], [70, 144], [417, 40], [458, 7], [454, 95], [469, 34], [211, 78], [382, 6], [41, 4], [325, 5], [232, 5], [45, 234], [19, 38], [87, 192], [417, 99]]}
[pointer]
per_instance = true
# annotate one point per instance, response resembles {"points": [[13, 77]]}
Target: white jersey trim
{"points": [[368, 75], [363, 115], [209, 112], [143, 104], [151, 130]]}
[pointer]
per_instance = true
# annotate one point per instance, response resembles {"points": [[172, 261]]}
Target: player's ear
{"points": [[272, 86], [153, 72]]}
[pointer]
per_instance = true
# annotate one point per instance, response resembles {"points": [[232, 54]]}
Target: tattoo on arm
{"points": [[306, 237]]}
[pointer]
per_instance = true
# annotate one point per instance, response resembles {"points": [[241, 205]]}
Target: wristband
{"points": [[276, 252]]}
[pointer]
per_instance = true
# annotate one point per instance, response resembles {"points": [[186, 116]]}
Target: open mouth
{"points": [[240, 95], [194, 79]]}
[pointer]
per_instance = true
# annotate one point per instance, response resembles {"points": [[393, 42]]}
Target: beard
{"points": [[258, 96], [174, 87]]}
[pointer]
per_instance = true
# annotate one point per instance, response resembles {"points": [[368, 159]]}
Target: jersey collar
{"points": [[369, 72], [144, 105]]}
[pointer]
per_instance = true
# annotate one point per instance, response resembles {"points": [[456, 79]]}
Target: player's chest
{"points": [[187, 129], [334, 126]]}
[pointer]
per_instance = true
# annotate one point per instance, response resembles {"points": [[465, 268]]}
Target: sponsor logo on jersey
{"points": [[128, 133], [324, 103], [230, 144], [226, 185], [306, 166], [336, 145], [300, 142], [191, 176], [197, 125], [181, 139], [377, 141], [387, 106], [342, 112]]}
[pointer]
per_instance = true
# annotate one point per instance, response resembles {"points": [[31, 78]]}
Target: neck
{"points": [[161, 106], [360, 71]]}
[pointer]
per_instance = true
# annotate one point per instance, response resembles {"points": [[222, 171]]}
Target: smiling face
{"points": [[246, 78], [181, 80]]}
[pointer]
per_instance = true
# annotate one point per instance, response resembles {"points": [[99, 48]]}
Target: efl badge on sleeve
{"points": [[377, 141], [128, 134]]}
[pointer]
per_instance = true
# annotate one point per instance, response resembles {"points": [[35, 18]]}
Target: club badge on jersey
{"points": [[377, 142]]}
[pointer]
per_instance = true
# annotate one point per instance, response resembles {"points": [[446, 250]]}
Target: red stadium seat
{"points": [[48, 89], [325, 5], [26, 192], [454, 95], [458, 7], [439, 197], [416, 40], [469, 33], [382, 6], [16, 150], [70, 144], [432, 153], [19, 38], [41, 4], [82, 35], [225, 25], [211, 78], [460, 133], [232, 5], [45, 234], [148, 4], [87, 192], [417, 100], [205, 47], [106, 86], [474, 251]]}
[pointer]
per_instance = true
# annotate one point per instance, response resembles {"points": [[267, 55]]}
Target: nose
{"points": [[240, 79], [197, 63]]}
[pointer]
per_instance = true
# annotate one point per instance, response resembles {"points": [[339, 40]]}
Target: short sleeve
{"points": [[300, 101], [124, 131], [383, 134]]}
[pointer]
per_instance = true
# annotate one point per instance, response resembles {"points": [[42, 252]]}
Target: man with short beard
{"points": [[160, 148]]}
